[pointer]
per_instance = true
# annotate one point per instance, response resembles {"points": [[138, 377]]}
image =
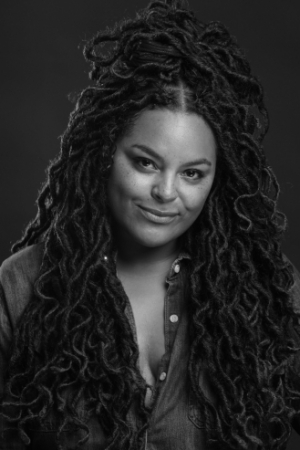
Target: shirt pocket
{"points": [[46, 439], [45, 436], [195, 414]]}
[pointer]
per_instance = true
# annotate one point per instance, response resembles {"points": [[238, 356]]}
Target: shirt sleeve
{"points": [[9, 439], [5, 338], [17, 276], [294, 329]]}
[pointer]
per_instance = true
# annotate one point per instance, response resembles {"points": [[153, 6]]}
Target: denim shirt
{"points": [[175, 421]]}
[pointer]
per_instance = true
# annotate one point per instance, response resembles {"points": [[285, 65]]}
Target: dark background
{"points": [[42, 63]]}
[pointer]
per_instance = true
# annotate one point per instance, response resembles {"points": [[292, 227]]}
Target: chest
{"points": [[149, 322], [147, 304]]}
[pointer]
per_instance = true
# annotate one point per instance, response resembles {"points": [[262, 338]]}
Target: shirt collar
{"points": [[177, 263]]}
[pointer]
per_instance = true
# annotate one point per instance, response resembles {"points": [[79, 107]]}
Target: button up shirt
{"points": [[175, 422]]}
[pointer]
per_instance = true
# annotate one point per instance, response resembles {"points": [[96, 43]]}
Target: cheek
{"points": [[119, 180], [195, 199], [124, 185]]}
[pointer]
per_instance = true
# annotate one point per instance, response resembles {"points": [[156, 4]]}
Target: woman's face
{"points": [[162, 174]]}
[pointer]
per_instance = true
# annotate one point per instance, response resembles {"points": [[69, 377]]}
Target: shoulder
{"points": [[25, 263], [295, 289], [17, 276]]}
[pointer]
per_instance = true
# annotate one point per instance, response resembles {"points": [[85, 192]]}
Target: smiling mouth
{"points": [[157, 216], [156, 212]]}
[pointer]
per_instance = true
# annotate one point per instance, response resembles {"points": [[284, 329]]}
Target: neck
{"points": [[141, 260]]}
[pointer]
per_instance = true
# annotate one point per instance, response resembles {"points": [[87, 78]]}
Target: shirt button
{"points": [[174, 318], [162, 376], [177, 268]]}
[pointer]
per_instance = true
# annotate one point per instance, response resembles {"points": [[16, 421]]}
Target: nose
{"points": [[164, 189]]}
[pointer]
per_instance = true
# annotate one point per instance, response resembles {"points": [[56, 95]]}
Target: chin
{"points": [[147, 241]]}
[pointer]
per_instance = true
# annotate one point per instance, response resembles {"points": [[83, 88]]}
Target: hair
{"points": [[74, 335]]}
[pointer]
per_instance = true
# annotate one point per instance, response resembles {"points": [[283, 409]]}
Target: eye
{"points": [[145, 163], [193, 174]]}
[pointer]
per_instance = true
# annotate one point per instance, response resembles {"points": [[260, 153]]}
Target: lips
{"points": [[158, 217], [159, 213]]}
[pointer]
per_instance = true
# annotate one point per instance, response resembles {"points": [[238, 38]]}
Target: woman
{"points": [[149, 305]]}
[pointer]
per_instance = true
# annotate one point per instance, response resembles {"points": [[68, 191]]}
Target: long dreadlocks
{"points": [[74, 334]]}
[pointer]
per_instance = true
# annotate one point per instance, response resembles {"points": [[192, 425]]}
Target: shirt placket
{"points": [[171, 319], [173, 308]]}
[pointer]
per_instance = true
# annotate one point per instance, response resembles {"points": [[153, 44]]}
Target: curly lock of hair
{"points": [[74, 336]]}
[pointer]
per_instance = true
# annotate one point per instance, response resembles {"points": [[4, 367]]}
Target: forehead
{"points": [[173, 133]]}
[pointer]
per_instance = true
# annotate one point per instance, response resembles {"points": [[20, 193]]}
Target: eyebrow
{"points": [[151, 152]]}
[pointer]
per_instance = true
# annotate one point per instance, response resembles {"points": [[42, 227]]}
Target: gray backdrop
{"points": [[42, 63]]}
